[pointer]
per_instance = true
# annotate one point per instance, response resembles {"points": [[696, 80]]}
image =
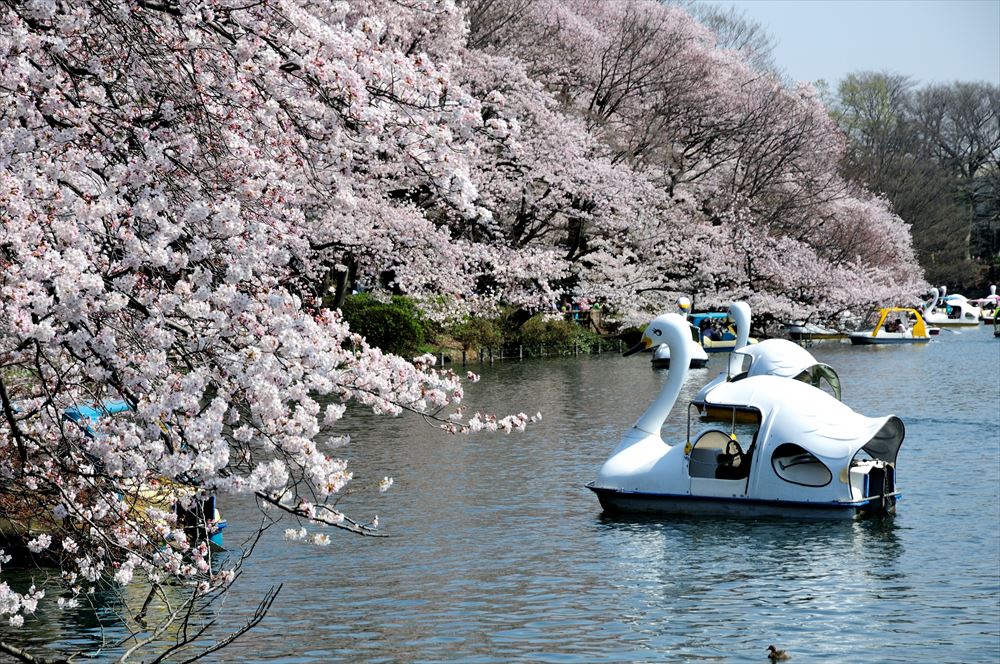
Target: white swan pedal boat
{"points": [[952, 310], [699, 358], [808, 455]]}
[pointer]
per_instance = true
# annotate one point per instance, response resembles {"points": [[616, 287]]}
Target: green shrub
{"points": [[477, 333], [541, 330], [395, 327]]}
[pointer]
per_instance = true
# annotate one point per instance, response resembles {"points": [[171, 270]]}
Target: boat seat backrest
{"points": [[704, 457], [703, 463]]}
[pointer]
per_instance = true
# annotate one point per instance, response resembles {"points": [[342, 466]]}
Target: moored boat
{"points": [[813, 332], [200, 519]]}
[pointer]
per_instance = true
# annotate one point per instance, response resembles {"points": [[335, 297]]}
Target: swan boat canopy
{"points": [[807, 454], [892, 325], [771, 357]]}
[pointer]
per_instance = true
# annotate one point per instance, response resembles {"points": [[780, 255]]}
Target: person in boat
{"points": [[708, 330], [732, 464]]}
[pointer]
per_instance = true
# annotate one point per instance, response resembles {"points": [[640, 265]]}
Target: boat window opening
{"points": [[823, 377], [796, 465], [722, 455]]}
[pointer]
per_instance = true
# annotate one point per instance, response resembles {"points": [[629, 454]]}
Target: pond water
{"points": [[498, 553]]}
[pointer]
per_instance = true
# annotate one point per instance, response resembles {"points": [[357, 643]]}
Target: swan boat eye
{"points": [[658, 332]]}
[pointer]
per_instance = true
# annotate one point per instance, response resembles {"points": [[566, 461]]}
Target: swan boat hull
{"points": [[616, 501]]}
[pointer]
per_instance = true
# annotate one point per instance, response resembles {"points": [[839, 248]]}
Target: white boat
{"points": [[952, 311], [807, 455], [988, 306], [813, 332], [892, 325], [771, 357], [699, 358]]}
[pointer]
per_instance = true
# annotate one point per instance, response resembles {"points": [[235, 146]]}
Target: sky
{"points": [[932, 41]]}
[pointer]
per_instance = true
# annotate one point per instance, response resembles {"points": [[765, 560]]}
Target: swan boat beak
{"points": [[644, 344]]}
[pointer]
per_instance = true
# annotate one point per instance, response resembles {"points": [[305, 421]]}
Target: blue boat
{"points": [[717, 331], [201, 520]]}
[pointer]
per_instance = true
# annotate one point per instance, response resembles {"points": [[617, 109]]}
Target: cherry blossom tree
{"points": [[177, 179], [718, 139]]}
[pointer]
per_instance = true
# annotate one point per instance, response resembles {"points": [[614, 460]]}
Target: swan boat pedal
{"points": [[893, 325], [810, 454]]}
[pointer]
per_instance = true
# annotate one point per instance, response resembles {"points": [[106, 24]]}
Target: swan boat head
{"points": [[641, 447], [740, 313]]}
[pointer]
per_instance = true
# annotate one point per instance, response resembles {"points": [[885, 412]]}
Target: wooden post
{"points": [[463, 357], [520, 352]]}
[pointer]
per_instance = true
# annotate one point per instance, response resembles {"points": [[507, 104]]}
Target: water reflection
{"points": [[100, 621]]}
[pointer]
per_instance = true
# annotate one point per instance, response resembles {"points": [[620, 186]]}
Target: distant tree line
{"points": [[934, 152]]}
